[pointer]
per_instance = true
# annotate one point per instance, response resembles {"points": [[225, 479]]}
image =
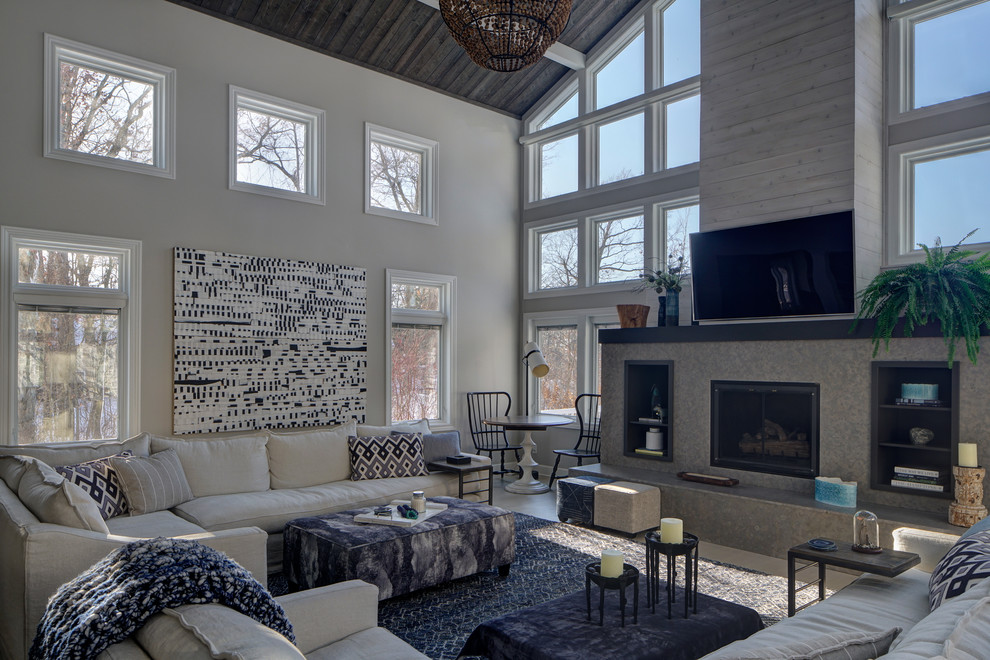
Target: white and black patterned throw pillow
{"points": [[100, 481], [966, 563], [384, 456]]}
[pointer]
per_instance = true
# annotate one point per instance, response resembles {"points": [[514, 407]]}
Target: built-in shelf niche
{"points": [[640, 378], [892, 424]]}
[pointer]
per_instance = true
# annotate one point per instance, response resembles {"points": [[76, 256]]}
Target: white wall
{"points": [[479, 172]]}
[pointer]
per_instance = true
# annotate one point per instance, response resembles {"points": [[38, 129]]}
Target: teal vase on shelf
{"points": [[661, 311], [673, 308]]}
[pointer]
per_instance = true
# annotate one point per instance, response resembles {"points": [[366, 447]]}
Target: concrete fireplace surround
{"points": [[769, 513]]}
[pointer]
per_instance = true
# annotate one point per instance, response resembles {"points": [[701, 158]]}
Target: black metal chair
{"points": [[590, 441], [488, 438]]}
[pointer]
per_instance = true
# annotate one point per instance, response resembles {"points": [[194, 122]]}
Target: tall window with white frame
{"points": [[635, 114], [70, 334], [107, 109], [276, 147], [939, 161], [558, 388], [420, 346], [400, 175]]}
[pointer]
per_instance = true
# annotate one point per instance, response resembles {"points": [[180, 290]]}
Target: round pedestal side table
{"points": [[671, 551], [629, 575]]}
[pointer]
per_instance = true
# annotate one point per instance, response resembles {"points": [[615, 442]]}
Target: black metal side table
{"points": [[461, 470], [687, 549], [630, 574]]}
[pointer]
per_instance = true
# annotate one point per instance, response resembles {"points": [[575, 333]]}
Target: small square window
{"points": [[559, 167], [620, 149], [949, 56], [622, 76], [275, 147], [682, 132], [107, 109], [400, 175]]}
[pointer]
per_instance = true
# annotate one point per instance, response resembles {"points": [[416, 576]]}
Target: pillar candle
{"points": [[611, 563], [967, 455], [671, 530]]}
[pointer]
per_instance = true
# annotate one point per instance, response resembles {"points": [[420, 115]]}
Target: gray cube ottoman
{"points": [[627, 506]]}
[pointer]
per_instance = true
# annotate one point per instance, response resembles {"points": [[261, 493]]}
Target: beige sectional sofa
{"points": [[244, 489], [872, 607]]}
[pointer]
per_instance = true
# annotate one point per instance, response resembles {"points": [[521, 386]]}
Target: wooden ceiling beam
{"points": [[558, 52]]}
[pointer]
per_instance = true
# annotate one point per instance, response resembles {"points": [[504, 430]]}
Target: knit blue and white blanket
{"points": [[112, 599]]}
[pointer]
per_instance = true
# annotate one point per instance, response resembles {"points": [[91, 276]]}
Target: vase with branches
{"points": [[948, 286], [667, 282]]}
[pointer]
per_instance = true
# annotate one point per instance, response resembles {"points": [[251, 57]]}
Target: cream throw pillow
{"points": [[195, 632], [152, 483], [54, 500], [310, 458], [221, 466], [971, 638]]}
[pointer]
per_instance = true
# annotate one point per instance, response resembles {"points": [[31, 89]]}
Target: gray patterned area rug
{"points": [[550, 561]]}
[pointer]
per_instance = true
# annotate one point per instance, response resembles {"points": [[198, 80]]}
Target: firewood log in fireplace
{"points": [[774, 440]]}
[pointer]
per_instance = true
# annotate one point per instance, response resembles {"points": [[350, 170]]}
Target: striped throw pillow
{"points": [[152, 483]]}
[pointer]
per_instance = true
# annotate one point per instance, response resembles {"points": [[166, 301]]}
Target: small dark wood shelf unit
{"points": [[891, 444], [640, 377]]}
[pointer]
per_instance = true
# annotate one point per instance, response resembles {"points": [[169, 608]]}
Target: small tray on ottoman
{"points": [[432, 509]]}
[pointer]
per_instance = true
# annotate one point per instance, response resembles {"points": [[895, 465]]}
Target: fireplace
{"points": [[765, 427]]}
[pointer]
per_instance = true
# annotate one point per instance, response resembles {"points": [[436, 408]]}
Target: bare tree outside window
{"points": [[271, 150], [105, 114], [620, 248], [559, 258], [558, 389], [416, 296], [395, 177], [681, 222], [67, 360], [415, 372]]}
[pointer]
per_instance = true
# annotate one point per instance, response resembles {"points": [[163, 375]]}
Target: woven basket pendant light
{"points": [[505, 35]]}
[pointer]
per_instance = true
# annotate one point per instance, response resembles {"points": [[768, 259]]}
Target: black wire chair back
{"points": [[487, 438]]}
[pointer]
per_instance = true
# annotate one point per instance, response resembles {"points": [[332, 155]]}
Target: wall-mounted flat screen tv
{"points": [[801, 267]]}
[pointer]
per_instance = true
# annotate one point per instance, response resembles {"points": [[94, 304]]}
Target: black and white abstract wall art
{"points": [[266, 343]]}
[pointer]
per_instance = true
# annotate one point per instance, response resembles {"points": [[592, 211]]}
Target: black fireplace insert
{"points": [[766, 427]]}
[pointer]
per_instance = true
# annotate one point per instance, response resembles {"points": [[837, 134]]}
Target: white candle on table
{"points": [[967, 455], [611, 563], [671, 530]]}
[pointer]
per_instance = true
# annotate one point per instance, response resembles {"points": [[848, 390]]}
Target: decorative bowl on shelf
{"points": [[920, 435]]}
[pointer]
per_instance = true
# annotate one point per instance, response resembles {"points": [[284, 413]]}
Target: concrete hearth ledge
{"points": [[767, 521]]}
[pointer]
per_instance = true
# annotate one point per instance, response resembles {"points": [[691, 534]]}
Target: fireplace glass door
{"points": [[766, 427]]}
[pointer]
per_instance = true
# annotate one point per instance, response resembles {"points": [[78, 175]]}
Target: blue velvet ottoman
{"points": [[467, 538], [576, 498]]}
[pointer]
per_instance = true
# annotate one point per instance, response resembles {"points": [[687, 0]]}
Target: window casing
{"points": [[419, 348], [938, 134], [70, 336], [637, 119], [276, 147], [569, 342], [400, 175], [107, 109]]}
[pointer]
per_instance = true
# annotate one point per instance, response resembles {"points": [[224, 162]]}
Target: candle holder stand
{"points": [[629, 575], [688, 549], [967, 509]]}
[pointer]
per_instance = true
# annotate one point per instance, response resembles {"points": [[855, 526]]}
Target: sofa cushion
{"points": [[971, 638], [384, 456], [869, 601], [150, 525], [927, 638], [858, 645], [212, 631], [12, 469], [438, 446], [369, 644], [272, 509], [216, 466], [52, 499], [100, 481], [310, 458], [963, 566], [71, 453], [152, 483]]}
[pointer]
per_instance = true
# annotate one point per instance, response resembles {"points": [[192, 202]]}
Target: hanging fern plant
{"points": [[947, 286]]}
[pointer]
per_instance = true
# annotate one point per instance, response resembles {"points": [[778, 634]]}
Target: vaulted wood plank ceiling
{"points": [[408, 40]]}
